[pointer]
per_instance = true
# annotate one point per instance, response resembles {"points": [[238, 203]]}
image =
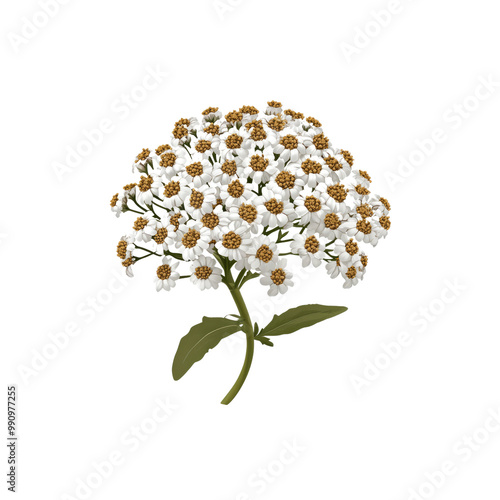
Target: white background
{"points": [[58, 241]]}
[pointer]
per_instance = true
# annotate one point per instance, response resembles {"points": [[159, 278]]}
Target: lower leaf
{"points": [[199, 340]]}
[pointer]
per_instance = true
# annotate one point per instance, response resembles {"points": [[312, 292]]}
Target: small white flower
{"points": [[262, 254], [127, 264], [318, 145], [145, 226], [277, 278], [294, 119], [205, 144], [234, 242], [164, 237], [291, 145], [362, 229], [338, 167], [117, 203], [334, 195], [171, 162], [276, 123], [205, 273], [125, 251], [166, 275], [236, 192], [129, 190], [261, 135], [175, 192], [380, 204], [309, 248], [200, 201], [126, 247], [286, 184], [351, 276], [144, 193], [227, 170], [176, 218], [347, 250], [198, 171], [362, 207], [192, 239], [276, 211], [248, 214], [210, 115], [215, 221], [260, 166], [163, 148], [182, 132], [382, 225], [274, 108], [249, 113], [142, 160], [214, 128], [311, 170], [334, 268], [331, 225], [360, 192], [310, 207], [361, 177], [235, 141], [313, 126], [361, 265]]}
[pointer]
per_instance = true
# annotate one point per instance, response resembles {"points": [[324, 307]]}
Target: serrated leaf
{"points": [[199, 340], [300, 317]]}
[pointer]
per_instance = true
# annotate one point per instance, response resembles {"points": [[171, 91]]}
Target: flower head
{"points": [[277, 278], [205, 273], [166, 275], [234, 241], [245, 188]]}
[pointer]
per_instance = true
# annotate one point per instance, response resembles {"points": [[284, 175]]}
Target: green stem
{"points": [[240, 277], [248, 329], [146, 250], [136, 211], [139, 206], [267, 233]]}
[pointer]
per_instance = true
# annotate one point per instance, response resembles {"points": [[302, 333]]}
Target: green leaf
{"points": [[200, 339], [264, 341], [300, 317]]}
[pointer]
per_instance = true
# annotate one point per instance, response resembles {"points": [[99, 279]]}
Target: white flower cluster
{"points": [[249, 188]]}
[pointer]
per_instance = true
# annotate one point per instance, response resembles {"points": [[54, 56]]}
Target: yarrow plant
{"points": [[242, 192]]}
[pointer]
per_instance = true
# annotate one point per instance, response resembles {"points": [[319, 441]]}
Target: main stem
{"points": [[248, 329]]}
